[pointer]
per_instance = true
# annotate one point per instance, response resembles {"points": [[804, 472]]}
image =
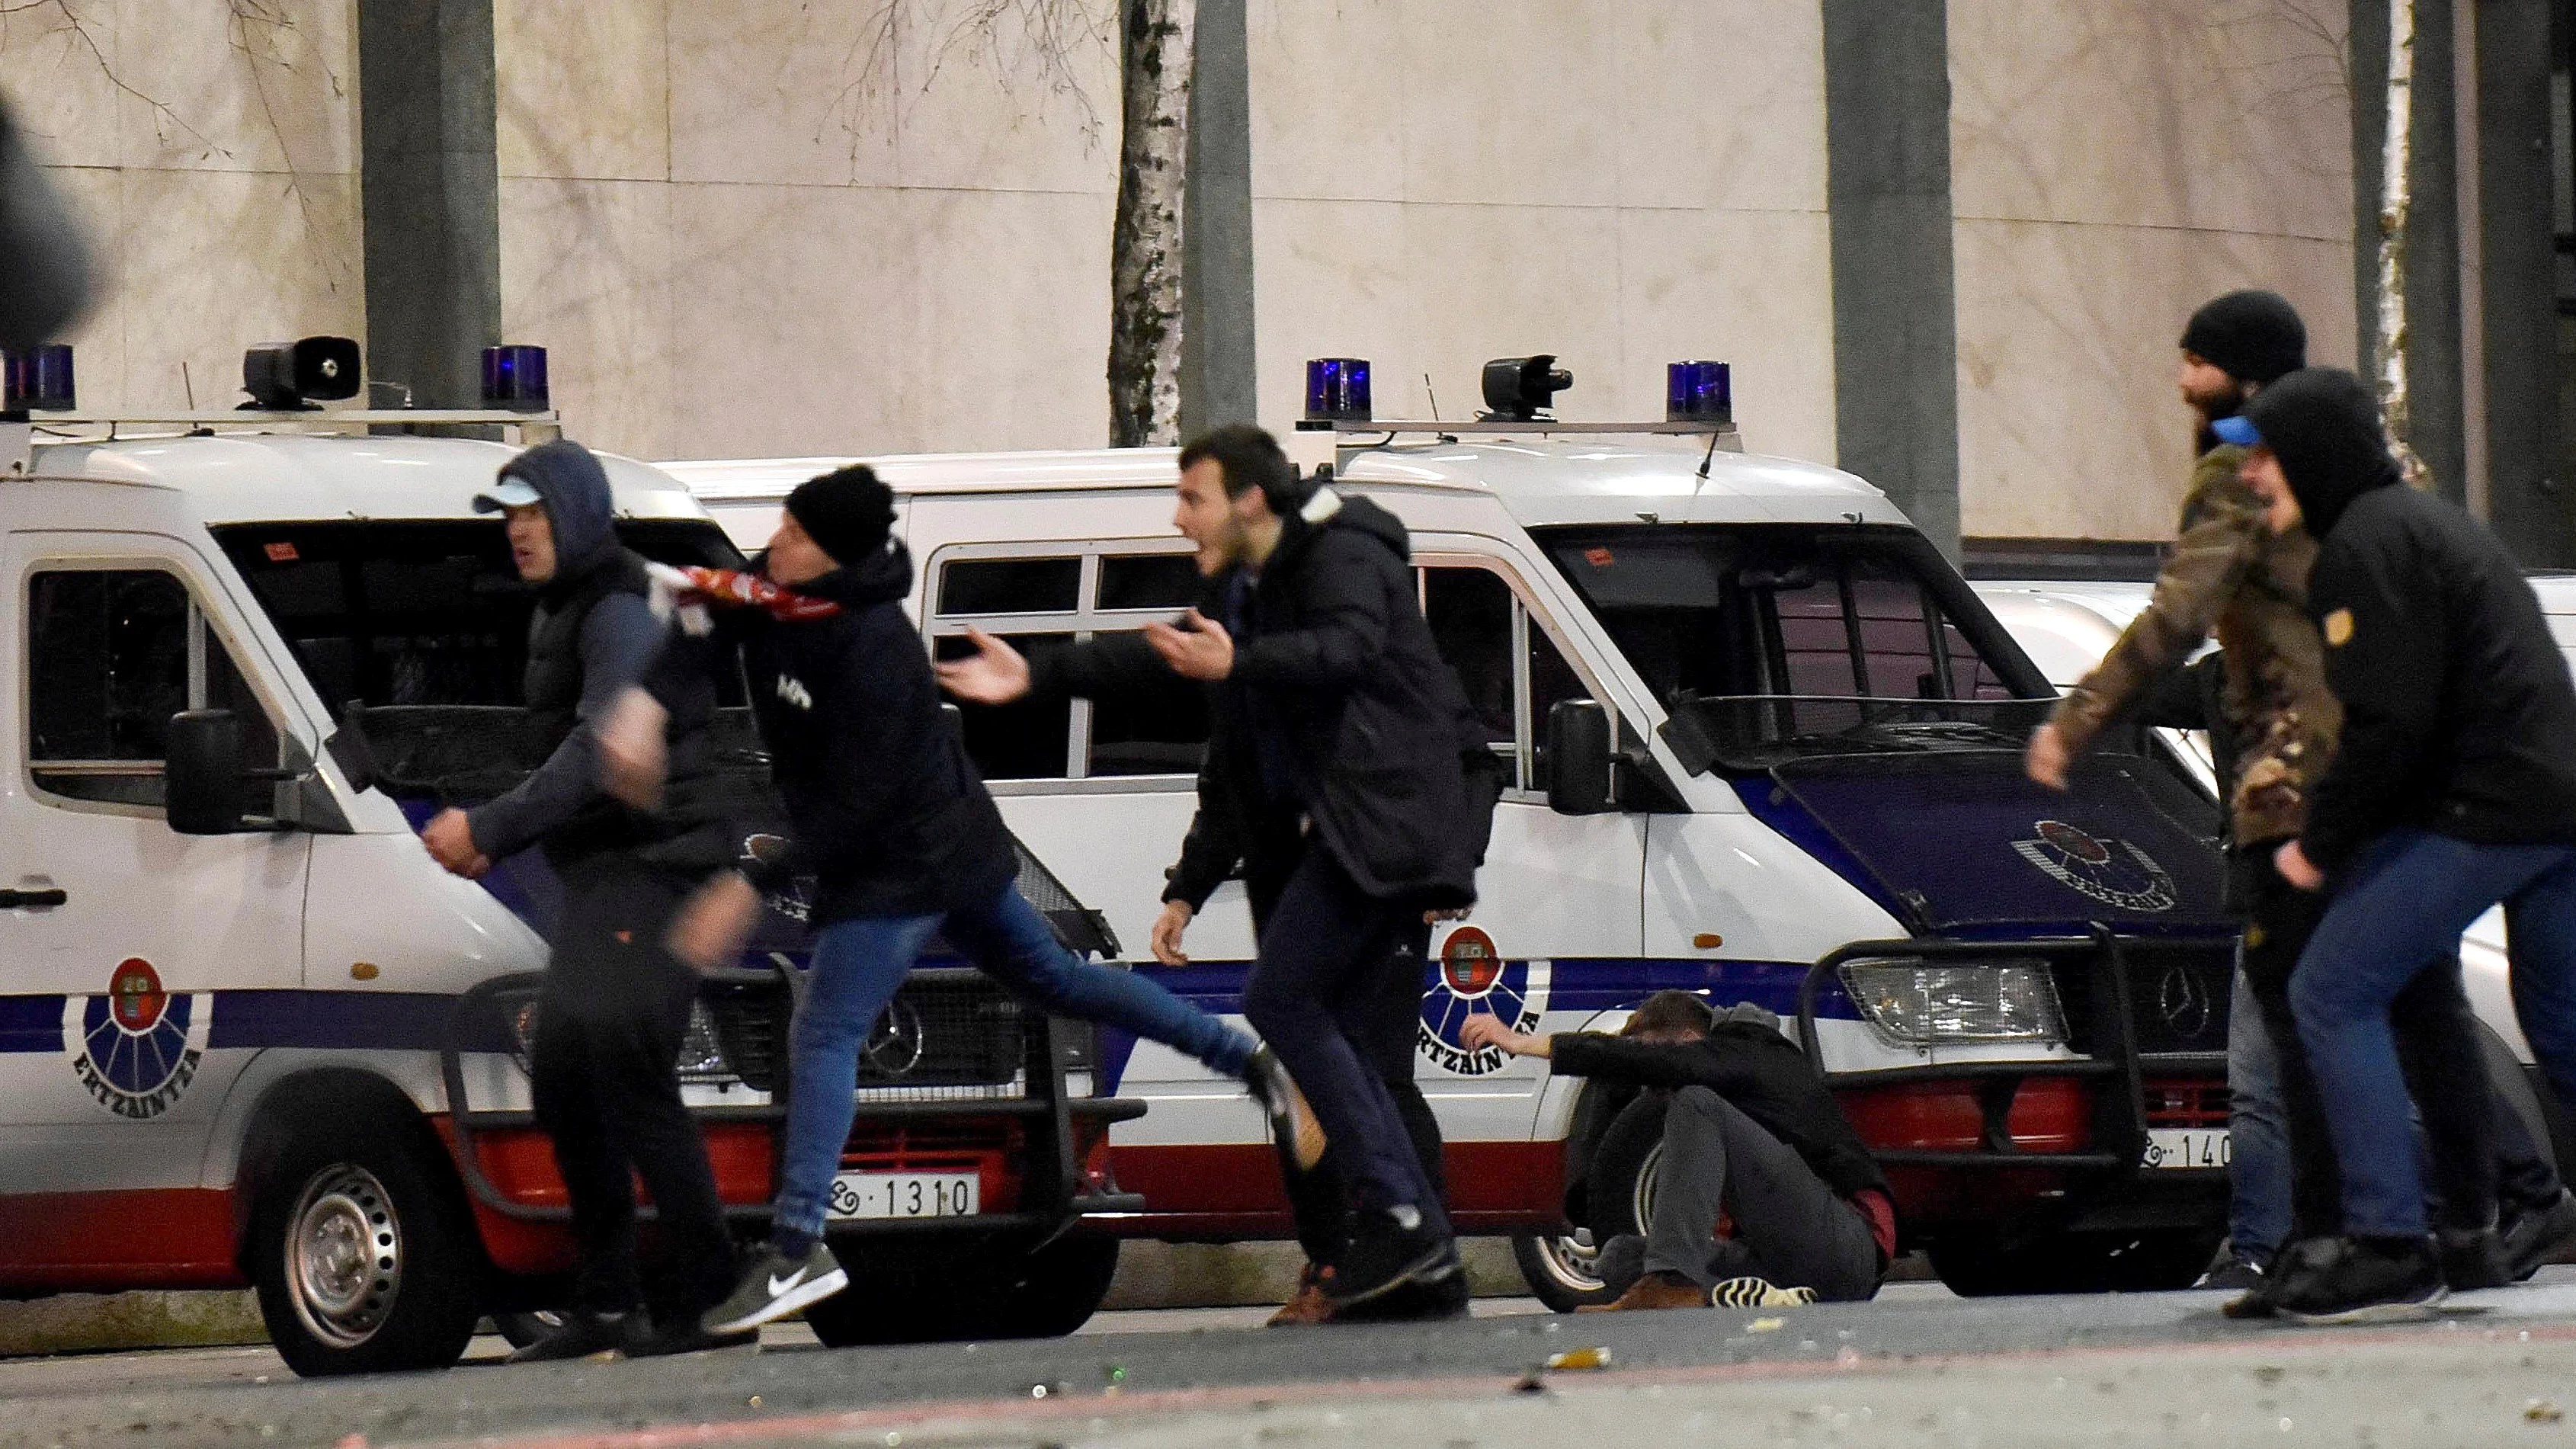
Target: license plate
{"points": [[2180, 1147], [904, 1195]]}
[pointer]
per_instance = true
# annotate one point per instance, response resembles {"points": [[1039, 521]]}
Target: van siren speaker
{"points": [[293, 376]]}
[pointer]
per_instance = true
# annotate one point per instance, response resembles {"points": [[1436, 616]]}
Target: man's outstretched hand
{"points": [[1482, 1030], [995, 673], [1196, 648]]}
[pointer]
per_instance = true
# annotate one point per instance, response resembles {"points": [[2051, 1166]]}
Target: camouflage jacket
{"points": [[2230, 576]]}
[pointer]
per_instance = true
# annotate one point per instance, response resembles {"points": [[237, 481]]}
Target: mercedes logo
{"points": [[2184, 1000], [894, 1048]]}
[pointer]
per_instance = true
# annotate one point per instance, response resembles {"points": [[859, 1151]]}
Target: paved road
{"points": [[1917, 1367]]}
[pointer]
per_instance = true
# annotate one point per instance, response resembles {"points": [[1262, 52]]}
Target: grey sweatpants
{"points": [[1790, 1228]]}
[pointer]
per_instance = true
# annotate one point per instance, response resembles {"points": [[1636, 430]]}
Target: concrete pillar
{"points": [[1896, 341], [1217, 373], [2528, 504], [430, 192]]}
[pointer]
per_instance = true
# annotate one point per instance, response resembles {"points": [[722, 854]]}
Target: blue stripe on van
{"points": [[339, 1020]]}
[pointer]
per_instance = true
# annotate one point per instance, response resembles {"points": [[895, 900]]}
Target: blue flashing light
{"points": [[1337, 390], [37, 379], [514, 377], [1699, 392]]}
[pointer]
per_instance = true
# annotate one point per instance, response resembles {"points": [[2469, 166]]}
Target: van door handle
{"points": [[12, 900]]}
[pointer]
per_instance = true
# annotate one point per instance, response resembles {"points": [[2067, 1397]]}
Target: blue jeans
{"points": [[2258, 1169], [2409, 896], [858, 963]]}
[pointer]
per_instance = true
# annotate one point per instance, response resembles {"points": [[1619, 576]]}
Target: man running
{"points": [[1335, 736]]}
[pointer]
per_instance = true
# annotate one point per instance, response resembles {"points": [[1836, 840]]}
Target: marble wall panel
{"points": [[210, 262], [803, 300], [586, 271], [1333, 279], [56, 69], [1012, 327], [1329, 97], [1720, 104], [1512, 102], [2198, 113], [97, 196], [208, 85], [2069, 422], [784, 92], [987, 102], [583, 90]]}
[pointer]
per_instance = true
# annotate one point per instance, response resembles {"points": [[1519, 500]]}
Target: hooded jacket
{"points": [[592, 636], [2459, 716], [1338, 687], [889, 815]]}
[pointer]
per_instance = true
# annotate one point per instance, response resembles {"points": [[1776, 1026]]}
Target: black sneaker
{"points": [[2472, 1258], [685, 1335], [1441, 1294], [2365, 1280], [583, 1333], [2231, 1274], [776, 1286], [1388, 1253], [2535, 1237]]}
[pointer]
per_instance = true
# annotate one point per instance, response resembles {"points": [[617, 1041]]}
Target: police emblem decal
{"points": [[2113, 872], [1474, 980], [136, 1049]]}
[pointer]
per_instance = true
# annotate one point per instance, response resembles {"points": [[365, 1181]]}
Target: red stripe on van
{"points": [[176, 1237]]}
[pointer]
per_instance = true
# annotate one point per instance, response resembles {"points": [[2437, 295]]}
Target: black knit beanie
{"points": [[847, 513], [2252, 336], [2323, 424]]}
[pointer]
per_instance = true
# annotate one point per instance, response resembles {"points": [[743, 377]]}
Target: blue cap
{"points": [[2237, 431], [509, 493]]}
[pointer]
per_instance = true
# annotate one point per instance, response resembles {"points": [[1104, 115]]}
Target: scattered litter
{"points": [[2542, 1411], [1531, 1383], [1037, 1391], [752, 1403], [1579, 1359], [1765, 1325], [351, 1441]]}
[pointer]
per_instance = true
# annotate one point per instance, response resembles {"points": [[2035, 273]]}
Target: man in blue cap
{"points": [[616, 1002]]}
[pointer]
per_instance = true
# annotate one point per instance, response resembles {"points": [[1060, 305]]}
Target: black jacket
{"points": [[889, 816], [2459, 714], [1760, 1072], [1340, 674]]}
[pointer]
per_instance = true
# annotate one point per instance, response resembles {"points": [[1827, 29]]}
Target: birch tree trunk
{"points": [[2396, 199], [1145, 245]]}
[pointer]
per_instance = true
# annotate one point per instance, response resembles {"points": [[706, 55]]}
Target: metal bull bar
{"points": [[2095, 978]]}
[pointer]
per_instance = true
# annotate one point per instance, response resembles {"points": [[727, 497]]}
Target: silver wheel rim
{"points": [[1650, 1180], [343, 1256], [1570, 1259]]}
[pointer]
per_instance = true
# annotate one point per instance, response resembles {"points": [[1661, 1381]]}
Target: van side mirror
{"points": [[1578, 757], [202, 779]]}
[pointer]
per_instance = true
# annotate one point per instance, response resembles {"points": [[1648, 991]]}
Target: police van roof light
{"points": [[293, 376], [1699, 392], [1522, 389], [1337, 390], [514, 377], [37, 379]]}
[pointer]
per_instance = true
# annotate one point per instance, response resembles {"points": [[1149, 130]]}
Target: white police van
{"points": [[249, 1030], [1765, 745]]}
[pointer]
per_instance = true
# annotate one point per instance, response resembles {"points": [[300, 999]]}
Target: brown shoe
{"points": [[1655, 1290], [1309, 1305]]}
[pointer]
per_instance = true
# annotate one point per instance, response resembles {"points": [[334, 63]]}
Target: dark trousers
{"points": [[1319, 996], [609, 1025], [2470, 1139], [1381, 1016], [1791, 1228]]}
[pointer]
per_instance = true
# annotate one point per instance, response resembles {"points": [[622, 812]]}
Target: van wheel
{"points": [[364, 1258], [1627, 1168], [1560, 1269], [959, 1293], [2514, 1084]]}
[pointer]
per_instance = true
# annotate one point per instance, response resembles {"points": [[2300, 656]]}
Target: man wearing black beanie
{"points": [[2231, 576], [900, 839], [2454, 790]]}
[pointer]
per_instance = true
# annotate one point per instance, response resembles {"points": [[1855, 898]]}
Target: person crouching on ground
{"points": [[1749, 1132]]}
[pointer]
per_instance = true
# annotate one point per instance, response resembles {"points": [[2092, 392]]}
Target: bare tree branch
{"points": [[78, 26], [272, 23]]}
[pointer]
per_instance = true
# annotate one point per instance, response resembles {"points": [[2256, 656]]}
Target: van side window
{"points": [[1475, 620], [111, 656], [1046, 601]]}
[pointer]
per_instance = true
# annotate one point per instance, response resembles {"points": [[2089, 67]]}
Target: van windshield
{"points": [[422, 628], [1772, 642]]}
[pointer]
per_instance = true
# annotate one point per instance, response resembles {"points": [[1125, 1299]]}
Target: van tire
{"points": [[1626, 1167], [340, 1188], [2521, 1091], [956, 1292], [1559, 1269]]}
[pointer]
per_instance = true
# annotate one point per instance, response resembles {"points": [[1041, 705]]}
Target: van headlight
{"points": [[1913, 1002]]}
